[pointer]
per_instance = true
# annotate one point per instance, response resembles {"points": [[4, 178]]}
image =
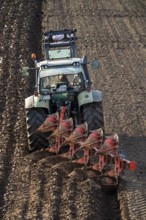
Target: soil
{"points": [[39, 186]]}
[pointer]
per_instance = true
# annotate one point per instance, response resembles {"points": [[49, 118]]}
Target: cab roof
{"points": [[62, 62]]}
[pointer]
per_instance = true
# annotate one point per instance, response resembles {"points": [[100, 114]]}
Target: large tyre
{"points": [[93, 115], [34, 118]]}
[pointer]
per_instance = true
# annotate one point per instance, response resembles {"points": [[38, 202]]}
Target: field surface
{"points": [[39, 186]]}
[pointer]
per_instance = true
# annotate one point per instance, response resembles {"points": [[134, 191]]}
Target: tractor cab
{"points": [[68, 77], [62, 83]]}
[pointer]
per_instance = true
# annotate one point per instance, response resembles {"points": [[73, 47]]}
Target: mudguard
{"points": [[86, 97], [36, 102]]}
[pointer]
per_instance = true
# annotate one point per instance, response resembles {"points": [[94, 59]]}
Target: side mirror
{"points": [[95, 64], [25, 71]]}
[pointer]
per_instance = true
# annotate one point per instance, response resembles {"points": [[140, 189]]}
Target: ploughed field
{"points": [[39, 186]]}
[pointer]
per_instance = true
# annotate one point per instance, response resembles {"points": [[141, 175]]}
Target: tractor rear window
{"points": [[61, 82]]}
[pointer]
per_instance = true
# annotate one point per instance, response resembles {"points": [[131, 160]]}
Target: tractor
{"points": [[62, 79], [66, 111]]}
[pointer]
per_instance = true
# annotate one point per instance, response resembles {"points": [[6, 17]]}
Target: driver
{"points": [[63, 78]]}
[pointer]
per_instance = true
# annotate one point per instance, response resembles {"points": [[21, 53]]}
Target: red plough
{"points": [[50, 123], [92, 143], [74, 141], [109, 163], [60, 133]]}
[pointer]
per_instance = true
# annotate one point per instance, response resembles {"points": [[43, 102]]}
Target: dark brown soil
{"points": [[39, 186]]}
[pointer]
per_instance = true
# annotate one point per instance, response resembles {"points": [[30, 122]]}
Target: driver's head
{"points": [[63, 78]]}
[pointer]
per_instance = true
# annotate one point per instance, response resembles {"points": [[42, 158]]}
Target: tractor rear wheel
{"points": [[93, 115], [34, 118]]}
